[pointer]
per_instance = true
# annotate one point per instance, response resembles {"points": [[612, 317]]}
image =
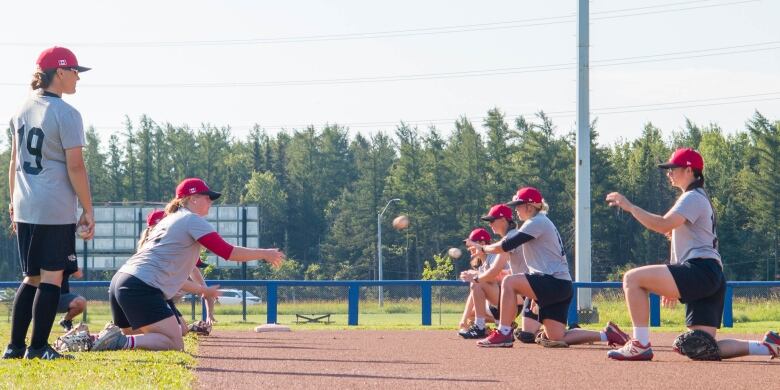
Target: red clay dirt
{"points": [[442, 360]]}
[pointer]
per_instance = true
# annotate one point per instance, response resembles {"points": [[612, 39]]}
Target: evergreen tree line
{"points": [[320, 189]]}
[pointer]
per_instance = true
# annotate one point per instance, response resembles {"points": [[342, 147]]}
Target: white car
{"points": [[234, 297]]}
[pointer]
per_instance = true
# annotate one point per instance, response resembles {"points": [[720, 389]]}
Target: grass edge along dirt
{"points": [[103, 370]]}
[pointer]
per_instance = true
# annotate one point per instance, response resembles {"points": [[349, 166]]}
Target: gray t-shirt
{"points": [[696, 238], [43, 129], [544, 254], [517, 259], [170, 252]]}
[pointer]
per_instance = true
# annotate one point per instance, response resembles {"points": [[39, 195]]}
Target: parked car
{"points": [[233, 297]]}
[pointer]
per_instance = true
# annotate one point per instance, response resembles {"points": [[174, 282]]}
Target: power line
{"points": [[602, 111], [511, 24], [671, 56]]}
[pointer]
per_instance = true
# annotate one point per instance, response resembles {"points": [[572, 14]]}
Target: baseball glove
{"points": [[201, 328], [542, 340], [697, 345], [77, 339]]}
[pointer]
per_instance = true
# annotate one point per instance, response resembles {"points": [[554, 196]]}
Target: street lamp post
{"points": [[379, 245]]}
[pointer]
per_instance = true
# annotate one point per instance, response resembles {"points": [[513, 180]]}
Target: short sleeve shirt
{"points": [[170, 252], [544, 254], [696, 238], [42, 130]]}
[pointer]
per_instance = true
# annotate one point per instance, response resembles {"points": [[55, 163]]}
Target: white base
{"points": [[272, 328]]}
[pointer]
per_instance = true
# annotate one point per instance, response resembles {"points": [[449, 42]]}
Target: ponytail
{"points": [[143, 238], [698, 181], [42, 79], [174, 205]]}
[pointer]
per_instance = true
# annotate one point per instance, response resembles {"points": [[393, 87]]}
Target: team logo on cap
{"points": [[63, 62], [192, 190]]}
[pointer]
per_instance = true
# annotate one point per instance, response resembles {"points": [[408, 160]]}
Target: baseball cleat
{"points": [[474, 332], [633, 351], [13, 352], [615, 336], [67, 325], [772, 341], [497, 339], [110, 339], [45, 353]]}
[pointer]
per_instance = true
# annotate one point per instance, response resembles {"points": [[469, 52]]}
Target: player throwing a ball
{"points": [[694, 275], [140, 288]]}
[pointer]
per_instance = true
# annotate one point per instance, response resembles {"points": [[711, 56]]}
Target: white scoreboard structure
{"points": [[118, 228]]}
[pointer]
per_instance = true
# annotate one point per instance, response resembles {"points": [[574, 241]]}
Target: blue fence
{"points": [[353, 294]]}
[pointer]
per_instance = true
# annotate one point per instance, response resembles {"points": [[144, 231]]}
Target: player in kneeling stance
{"points": [[501, 222], [481, 293], [694, 275], [547, 283], [154, 274]]}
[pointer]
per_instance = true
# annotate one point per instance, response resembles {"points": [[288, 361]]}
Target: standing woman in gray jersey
{"points": [[159, 269], [46, 179], [695, 273]]}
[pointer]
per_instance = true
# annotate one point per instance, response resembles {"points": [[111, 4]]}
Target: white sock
{"points": [[480, 322], [758, 348], [603, 335], [642, 334], [130, 343], [505, 329]]}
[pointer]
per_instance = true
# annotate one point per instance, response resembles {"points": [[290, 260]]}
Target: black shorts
{"points": [[527, 313], [496, 311], [702, 287], [65, 299], [46, 247], [135, 304], [553, 296], [175, 310]]}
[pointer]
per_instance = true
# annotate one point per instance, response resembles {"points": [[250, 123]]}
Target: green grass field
{"points": [[138, 369]]}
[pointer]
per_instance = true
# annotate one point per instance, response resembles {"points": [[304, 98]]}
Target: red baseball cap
{"points": [[526, 195], [496, 212], [59, 57], [480, 234], [684, 157], [155, 217], [192, 186]]}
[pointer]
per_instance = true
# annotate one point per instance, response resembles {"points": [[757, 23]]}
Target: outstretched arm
{"points": [[660, 224]]}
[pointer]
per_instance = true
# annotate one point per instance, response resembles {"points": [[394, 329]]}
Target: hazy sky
{"points": [[290, 64]]}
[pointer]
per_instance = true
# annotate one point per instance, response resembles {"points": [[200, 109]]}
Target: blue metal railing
{"points": [[353, 294]]}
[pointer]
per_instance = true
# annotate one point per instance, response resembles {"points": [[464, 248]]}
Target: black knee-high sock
{"points": [[22, 314], [44, 311]]}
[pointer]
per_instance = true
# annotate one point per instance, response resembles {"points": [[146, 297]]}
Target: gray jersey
{"points": [[43, 129], [696, 238], [170, 252], [544, 254], [517, 259]]}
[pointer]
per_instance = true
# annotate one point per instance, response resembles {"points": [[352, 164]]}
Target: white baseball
{"points": [[455, 253]]}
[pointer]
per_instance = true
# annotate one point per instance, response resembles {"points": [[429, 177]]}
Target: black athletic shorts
{"points": [[702, 287], [46, 247], [64, 304], [527, 313], [553, 296], [175, 310], [135, 304], [496, 311]]}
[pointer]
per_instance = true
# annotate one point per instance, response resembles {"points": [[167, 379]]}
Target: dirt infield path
{"points": [[440, 359]]}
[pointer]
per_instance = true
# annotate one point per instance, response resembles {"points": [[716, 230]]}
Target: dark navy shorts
{"points": [[135, 304], [46, 247], [553, 296], [64, 304], [702, 287]]}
